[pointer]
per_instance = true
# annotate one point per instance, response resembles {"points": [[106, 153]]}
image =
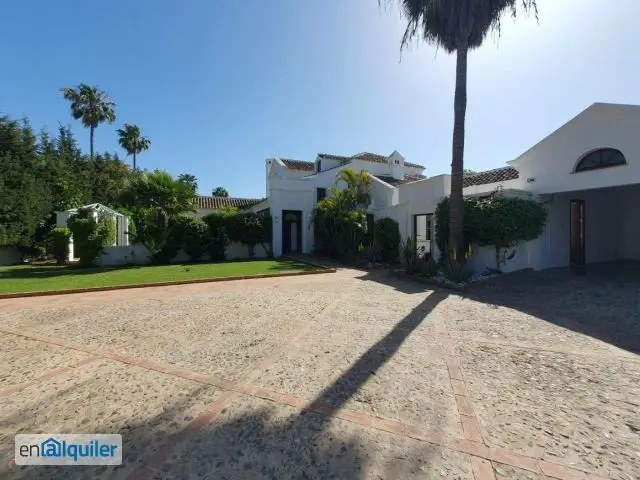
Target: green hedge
{"points": [[495, 220]]}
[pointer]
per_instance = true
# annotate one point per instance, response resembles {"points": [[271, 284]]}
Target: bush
{"points": [[427, 267], [387, 235], [89, 236], [456, 270], [60, 244], [195, 235], [409, 255], [496, 220], [249, 229], [107, 231], [218, 236]]}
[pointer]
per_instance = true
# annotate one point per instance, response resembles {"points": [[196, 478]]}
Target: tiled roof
{"points": [[334, 157], [216, 203], [414, 165], [396, 181], [364, 156], [298, 164], [490, 176]]}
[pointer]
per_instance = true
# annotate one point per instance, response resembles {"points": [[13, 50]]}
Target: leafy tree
{"points": [[195, 237], [220, 192], [250, 229], [132, 141], [92, 106], [218, 223], [339, 219], [504, 222], [157, 200], [467, 171], [497, 220], [25, 196], [457, 26]]}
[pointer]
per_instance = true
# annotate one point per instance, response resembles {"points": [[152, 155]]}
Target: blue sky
{"points": [[219, 86]]}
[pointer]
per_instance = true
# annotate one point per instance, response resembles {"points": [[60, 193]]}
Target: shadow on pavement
{"points": [[252, 438], [600, 300]]}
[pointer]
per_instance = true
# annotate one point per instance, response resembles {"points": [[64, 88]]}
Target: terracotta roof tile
{"points": [[216, 203], [396, 182], [490, 176], [298, 164]]}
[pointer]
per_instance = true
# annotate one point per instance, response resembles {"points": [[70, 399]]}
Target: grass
{"points": [[26, 278]]}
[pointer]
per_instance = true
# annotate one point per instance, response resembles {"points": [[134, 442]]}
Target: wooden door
{"points": [[577, 237]]}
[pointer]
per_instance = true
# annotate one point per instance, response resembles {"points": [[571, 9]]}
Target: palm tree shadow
{"points": [[254, 439]]}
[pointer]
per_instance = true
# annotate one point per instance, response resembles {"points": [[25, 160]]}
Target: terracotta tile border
{"points": [[482, 468], [481, 455], [164, 284]]}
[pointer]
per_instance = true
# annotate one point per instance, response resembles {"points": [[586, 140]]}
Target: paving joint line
{"points": [[231, 390]]}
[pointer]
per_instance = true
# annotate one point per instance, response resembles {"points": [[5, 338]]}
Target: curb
{"points": [[162, 284]]}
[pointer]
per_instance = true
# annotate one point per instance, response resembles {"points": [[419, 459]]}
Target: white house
{"points": [[587, 173]]}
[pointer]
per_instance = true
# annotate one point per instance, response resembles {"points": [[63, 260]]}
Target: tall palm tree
{"points": [[132, 141], [457, 26], [92, 105]]}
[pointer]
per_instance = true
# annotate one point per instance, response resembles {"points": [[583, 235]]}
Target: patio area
{"points": [[346, 375]]}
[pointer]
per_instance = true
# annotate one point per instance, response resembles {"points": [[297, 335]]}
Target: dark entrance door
{"points": [[291, 231], [577, 232]]}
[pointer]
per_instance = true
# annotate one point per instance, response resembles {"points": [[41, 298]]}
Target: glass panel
{"points": [[603, 158]]}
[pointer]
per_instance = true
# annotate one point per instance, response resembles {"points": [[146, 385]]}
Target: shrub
{"points": [[218, 235], [409, 255], [504, 222], [456, 270], [427, 267], [60, 244], [496, 220], [387, 235], [195, 242], [107, 231], [249, 229], [89, 236]]}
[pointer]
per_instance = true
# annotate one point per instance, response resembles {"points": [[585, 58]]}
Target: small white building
{"points": [[98, 211], [587, 173]]}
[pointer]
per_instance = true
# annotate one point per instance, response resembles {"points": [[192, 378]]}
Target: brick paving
{"points": [[457, 441]]}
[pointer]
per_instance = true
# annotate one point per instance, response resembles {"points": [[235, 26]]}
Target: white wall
{"points": [[611, 232], [139, 255], [552, 162], [10, 255]]}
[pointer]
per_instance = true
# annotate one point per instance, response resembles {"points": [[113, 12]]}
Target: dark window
{"points": [[320, 193], [263, 213], [319, 165], [603, 158]]}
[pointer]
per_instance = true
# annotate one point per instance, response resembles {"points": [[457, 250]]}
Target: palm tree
{"points": [[220, 192], [131, 140], [457, 26], [92, 105]]}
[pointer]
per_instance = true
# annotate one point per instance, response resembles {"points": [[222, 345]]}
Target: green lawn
{"points": [[21, 278]]}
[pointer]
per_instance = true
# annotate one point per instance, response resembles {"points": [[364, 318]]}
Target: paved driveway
{"points": [[345, 375]]}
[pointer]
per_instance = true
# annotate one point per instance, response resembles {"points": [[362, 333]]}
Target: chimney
{"points": [[396, 162]]}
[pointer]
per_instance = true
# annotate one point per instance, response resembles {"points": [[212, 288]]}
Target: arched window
{"points": [[603, 158]]}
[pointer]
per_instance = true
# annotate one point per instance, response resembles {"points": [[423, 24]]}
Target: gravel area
{"points": [[550, 362]]}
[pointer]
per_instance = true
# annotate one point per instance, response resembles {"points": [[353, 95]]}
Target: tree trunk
{"points": [[497, 258], [134, 161], [91, 129], [456, 205]]}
